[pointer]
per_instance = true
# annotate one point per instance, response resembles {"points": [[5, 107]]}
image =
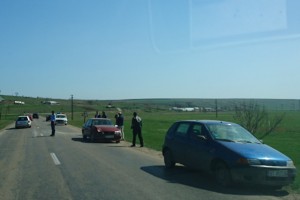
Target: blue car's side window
{"points": [[197, 129], [182, 129]]}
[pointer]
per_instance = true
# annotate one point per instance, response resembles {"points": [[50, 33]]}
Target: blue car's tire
{"points": [[168, 159]]}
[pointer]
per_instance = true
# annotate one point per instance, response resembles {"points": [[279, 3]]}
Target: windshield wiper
{"points": [[226, 140], [247, 141], [244, 141]]}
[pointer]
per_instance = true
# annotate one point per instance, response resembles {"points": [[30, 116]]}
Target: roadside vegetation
{"points": [[257, 119], [157, 118]]}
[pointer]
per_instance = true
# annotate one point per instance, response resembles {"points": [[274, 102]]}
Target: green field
{"points": [[157, 118]]}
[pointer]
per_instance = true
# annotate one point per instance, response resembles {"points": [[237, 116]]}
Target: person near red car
{"points": [[136, 126]]}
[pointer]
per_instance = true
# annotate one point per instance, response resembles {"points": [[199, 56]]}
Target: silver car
{"points": [[23, 122]]}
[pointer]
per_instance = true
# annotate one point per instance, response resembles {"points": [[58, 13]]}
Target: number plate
{"points": [[109, 136], [278, 173]]}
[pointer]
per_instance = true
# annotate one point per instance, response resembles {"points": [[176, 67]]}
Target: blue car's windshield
{"points": [[231, 133]]}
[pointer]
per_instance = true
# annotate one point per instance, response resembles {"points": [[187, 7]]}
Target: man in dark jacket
{"points": [[136, 126], [52, 119], [120, 123]]}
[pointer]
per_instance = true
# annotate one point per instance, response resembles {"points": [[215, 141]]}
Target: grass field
{"points": [[156, 121]]}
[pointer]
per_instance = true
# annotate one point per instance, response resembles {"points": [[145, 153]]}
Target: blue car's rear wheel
{"points": [[168, 159]]}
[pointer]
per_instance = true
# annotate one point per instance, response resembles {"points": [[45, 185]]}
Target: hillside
{"points": [[38, 104]]}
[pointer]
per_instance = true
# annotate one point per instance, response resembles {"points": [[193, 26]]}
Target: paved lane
{"points": [[36, 166]]}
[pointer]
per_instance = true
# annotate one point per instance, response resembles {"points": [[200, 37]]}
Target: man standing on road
{"points": [[136, 126], [52, 119], [120, 123]]}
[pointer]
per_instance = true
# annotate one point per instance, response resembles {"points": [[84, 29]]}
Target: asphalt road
{"points": [[35, 166]]}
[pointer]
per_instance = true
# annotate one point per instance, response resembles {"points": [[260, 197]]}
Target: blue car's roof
{"points": [[207, 121]]}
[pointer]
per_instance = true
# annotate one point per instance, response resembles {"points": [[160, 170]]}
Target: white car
{"points": [[61, 119]]}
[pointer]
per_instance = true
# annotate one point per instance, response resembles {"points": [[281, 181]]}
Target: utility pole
{"points": [[216, 104], [72, 106]]}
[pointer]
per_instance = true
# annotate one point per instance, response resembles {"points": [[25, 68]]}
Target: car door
{"points": [[180, 142], [198, 152], [87, 127]]}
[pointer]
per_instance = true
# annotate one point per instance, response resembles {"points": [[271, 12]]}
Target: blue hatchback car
{"points": [[227, 150]]}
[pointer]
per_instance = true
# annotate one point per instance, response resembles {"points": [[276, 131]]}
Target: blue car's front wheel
{"points": [[222, 174]]}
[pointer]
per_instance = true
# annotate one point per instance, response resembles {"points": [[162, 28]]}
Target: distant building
{"points": [[186, 109], [207, 109], [19, 102], [1, 99], [110, 106], [51, 102]]}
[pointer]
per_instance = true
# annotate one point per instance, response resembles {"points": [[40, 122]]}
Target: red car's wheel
{"points": [[92, 138]]}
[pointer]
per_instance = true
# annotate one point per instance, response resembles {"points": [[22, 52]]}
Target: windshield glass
{"points": [[102, 122], [22, 119], [231, 133]]}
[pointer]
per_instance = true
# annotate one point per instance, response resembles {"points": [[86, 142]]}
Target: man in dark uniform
{"points": [[52, 119], [120, 123], [136, 126]]}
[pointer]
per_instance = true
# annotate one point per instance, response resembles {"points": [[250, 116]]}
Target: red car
{"points": [[100, 129]]}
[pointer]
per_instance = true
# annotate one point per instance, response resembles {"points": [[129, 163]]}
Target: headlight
{"points": [[118, 132], [290, 163], [254, 162], [248, 161]]}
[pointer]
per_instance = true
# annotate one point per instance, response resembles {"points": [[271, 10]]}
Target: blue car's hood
{"points": [[253, 150]]}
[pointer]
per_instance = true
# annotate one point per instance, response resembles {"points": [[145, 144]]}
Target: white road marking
{"points": [[55, 159], [34, 133]]}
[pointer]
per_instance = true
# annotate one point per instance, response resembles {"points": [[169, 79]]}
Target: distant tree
{"points": [[190, 104], [256, 119]]}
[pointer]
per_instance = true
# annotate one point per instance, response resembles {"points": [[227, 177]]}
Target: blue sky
{"points": [[131, 49]]}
